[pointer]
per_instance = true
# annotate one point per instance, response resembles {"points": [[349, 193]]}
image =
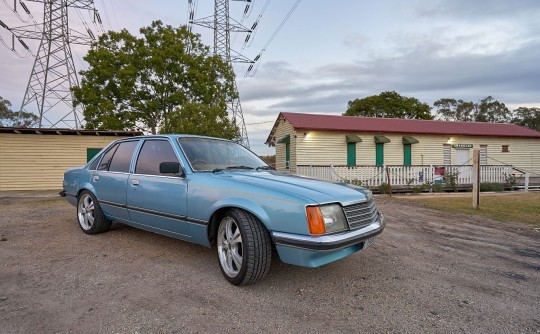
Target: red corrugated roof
{"points": [[409, 126]]}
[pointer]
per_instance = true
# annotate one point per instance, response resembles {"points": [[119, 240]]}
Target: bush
{"points": [[491, 186], [416, 189], [384, 188], [435, 187], [357, 182], [450, 178]]}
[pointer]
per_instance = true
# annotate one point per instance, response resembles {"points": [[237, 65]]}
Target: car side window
{"points": [[122, 157], [94, 164], [105, 162], [153, 153]]}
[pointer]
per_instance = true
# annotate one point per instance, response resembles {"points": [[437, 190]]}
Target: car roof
{"points": [[172, 136]]}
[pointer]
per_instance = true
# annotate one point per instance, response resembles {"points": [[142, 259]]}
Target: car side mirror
{"points": [[169, 168]]}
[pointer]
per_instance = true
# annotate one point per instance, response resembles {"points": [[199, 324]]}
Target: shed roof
{"points": [[318, 122], [53, 131]]}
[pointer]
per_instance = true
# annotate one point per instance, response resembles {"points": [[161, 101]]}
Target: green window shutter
{"points": [[351, 154], [287, 155], [379, 154], [91, 152], [406, 154]]}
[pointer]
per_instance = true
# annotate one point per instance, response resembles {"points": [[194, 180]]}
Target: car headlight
{"points": [[326, 219]]}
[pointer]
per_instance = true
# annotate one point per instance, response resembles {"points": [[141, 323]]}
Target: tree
{"points": [[200, 119], [152, 82], [492, 111], [389, 105], [529, 117], [11, 118], [486, 110], [454, 110]]}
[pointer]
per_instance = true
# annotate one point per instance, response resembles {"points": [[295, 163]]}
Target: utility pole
{"points": [[54, 73], [476, 179], [223, 25]]}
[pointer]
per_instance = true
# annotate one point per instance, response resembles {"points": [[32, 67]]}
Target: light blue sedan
{"points": [[215, 192]]}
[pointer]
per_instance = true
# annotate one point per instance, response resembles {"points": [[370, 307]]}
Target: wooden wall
{"points": [[38, 162]]}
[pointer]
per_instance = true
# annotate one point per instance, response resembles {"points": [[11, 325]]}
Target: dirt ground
{"points": [[428, 272]]}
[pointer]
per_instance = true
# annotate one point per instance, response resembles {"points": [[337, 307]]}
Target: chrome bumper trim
{"points": [[333, 241]]}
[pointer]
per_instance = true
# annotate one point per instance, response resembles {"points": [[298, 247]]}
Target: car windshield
{"points": [[206, 154]]}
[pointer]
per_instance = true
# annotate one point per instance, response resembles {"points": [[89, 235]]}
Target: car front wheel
{"points": [[91, 218], [244, 247]]}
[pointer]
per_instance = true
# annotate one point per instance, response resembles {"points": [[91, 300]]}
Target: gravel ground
{"points": [[428, 272]]}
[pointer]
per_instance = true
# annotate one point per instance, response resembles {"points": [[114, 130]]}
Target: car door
{"points": [[157, 201], [111, 177]]}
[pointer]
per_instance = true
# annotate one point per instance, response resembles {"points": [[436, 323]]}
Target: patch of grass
{"points": [[516, 207]]}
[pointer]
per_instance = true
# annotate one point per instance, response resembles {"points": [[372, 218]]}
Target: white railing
{"points": [[373, 176]]}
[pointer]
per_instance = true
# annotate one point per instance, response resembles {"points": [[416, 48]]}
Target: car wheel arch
{"points": [[219, 212]]}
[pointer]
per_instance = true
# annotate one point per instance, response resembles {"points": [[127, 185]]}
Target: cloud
{"points": [[478, 10]]}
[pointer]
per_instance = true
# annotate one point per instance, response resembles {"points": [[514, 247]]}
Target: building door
{"points": [[462, 158]]}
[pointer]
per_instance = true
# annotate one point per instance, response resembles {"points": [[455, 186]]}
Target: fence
{"points": [[397, 175]]}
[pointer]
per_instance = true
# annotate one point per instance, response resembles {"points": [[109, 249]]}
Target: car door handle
{"points": [[135, 182], [95, 177]]}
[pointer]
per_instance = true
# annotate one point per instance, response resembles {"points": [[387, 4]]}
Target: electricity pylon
{"points": [[53, 73], [222, 24]]}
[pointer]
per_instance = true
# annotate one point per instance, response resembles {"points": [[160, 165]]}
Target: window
{"points": [[505, 148], [122, 157], [351, 154], [153, 153], [91, 152], [94, 164], [483, 154], [447, 154], [407, 154], [104, 165], [379, 154]]}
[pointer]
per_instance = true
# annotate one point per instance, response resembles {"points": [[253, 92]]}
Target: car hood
{"points": [[315, 190]]}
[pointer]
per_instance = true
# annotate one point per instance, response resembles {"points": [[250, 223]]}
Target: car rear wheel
{"points": [[91, 218], [244, 247]]}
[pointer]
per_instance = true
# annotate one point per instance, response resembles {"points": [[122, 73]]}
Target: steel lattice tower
{"points": [[53, 73], [222, 26]]}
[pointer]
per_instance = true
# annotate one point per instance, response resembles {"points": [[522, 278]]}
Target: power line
{"points": [[253, 29], [266, 122], [250, 68], [53, 74]]}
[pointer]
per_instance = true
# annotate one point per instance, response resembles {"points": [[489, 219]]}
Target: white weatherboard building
{"points": [[357, 148]]}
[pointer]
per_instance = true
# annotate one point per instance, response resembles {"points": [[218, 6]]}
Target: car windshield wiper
{"points": [[239, 167], [264, 168], [217, 170]]}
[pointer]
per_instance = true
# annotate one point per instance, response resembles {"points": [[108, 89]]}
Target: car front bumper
{"points": [[315, 251]]}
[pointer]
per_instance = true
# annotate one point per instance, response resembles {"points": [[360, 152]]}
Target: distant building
{"points": [[35, 159], [323, 140]]}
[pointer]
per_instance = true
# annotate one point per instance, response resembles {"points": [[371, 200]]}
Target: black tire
{"points": [[89, 214], [254, 248]]}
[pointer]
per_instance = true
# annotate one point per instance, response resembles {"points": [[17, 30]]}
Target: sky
{"points": [[331, 52]]}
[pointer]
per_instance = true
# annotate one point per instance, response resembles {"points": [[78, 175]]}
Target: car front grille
{"points": [[361, 214]]}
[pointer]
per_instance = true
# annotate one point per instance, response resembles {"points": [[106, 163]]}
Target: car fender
{"points": [[242, 203]]}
